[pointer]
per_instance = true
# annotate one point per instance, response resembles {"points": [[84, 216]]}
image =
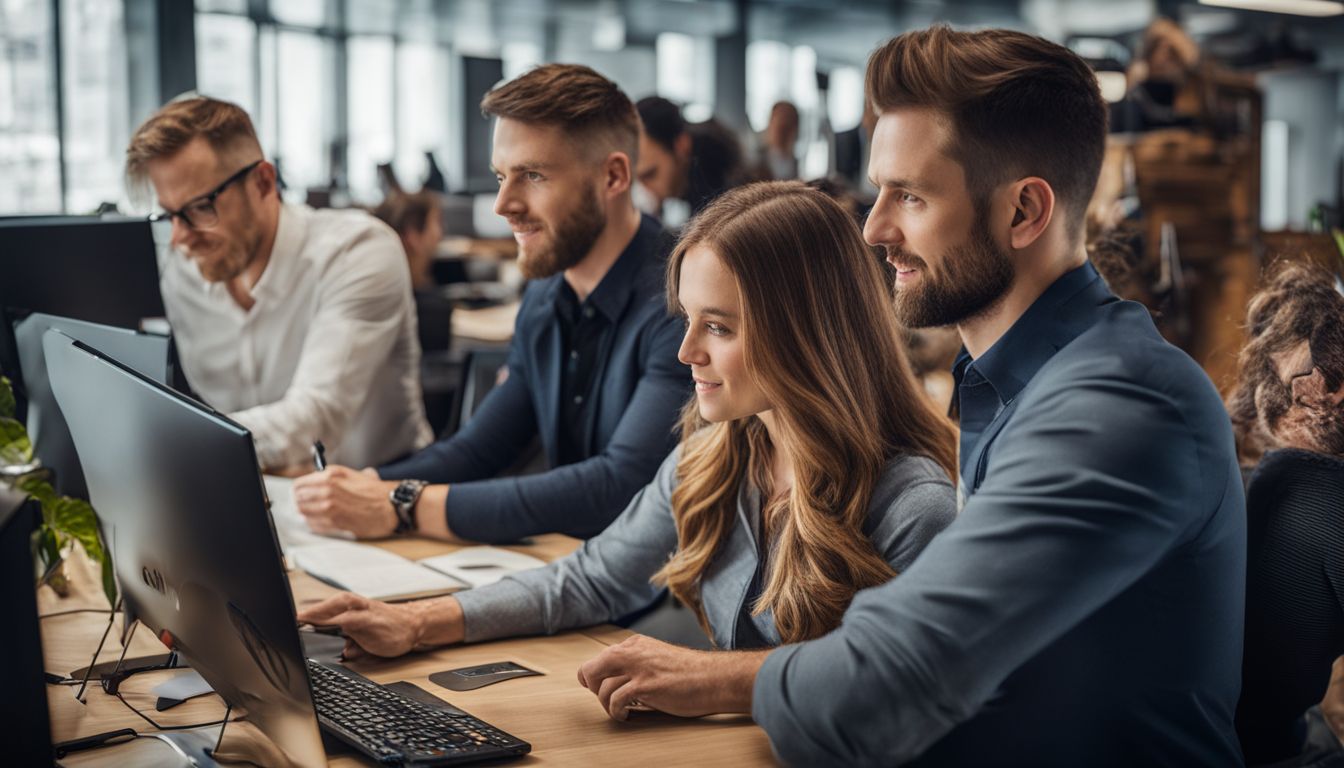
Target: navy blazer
{"points": [[1085, 607], [639, 391]]}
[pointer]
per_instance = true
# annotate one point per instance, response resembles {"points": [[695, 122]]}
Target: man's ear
{"points": [[1033, 205], [266, 179], [681, 146], [617, 173]]}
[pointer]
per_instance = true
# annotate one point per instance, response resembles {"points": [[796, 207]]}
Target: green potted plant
{"points": [[64, 520]]}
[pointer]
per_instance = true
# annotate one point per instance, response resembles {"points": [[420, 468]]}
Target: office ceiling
{"points": [[841, 31]]}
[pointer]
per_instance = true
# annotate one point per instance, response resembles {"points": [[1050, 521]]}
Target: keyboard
{"points": [[397, 730]]}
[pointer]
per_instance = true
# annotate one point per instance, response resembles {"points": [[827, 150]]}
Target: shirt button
{"points": [[574, 355], [587, 311], [578, 399]]}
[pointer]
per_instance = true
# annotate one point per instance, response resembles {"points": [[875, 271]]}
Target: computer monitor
{"points": [[97, 270], [144, 352], [183, 512], [23, 703]]}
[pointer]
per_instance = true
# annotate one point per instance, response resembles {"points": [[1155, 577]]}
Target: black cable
{"points": [[74, 611], [111, 617]]}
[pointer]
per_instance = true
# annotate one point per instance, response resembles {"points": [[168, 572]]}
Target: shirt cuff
{"points": [[506, 608], [769, 705]]}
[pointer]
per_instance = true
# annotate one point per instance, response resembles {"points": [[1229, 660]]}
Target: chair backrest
{"points": [[1294, 594], [480, 369]]}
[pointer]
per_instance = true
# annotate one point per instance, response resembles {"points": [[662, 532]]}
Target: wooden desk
{"points": [[560, 718]]}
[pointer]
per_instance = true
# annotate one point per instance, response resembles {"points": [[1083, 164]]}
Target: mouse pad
{"points": [[471, 678]]}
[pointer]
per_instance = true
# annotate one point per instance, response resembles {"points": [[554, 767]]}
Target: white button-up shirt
{"points": [[328, 352]]}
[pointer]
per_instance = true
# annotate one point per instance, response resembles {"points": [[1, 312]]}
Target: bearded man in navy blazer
{"points": [[593, 366]]}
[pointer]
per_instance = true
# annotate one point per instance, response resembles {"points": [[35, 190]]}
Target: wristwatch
{"points": [[403, 499]]}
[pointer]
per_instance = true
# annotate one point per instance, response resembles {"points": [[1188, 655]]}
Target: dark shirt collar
{"points": [[614, 289], [1049, 324]]}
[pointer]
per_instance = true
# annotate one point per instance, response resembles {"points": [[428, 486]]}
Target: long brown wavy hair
{"points": [[822, 342]]}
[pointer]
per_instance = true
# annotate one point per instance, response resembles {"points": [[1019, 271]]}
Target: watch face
{"points": [[407, 491]]}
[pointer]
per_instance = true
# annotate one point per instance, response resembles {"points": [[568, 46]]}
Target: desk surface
{"points": [[560, 718]]}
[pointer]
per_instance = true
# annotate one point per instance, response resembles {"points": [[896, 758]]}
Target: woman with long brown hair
{"points": [[811, 465]]}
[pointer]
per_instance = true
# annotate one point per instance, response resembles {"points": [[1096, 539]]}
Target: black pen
{"points": [[319, 455]]}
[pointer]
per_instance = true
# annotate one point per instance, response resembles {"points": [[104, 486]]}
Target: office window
{"points": [[518, 57], [844, 99], [305, 13], [266, 119], [222, 6], [97, 102], [372, 136], [306, 66], [685, 73], [29, 145], [423, 96], [769, 77], [226, 59]]}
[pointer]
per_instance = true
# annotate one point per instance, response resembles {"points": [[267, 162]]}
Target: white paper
{"points": [[369, 571], [479, 566], [290, 526]]}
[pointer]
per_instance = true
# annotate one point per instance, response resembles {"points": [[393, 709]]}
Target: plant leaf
{"points": [[75, 518], [15, 448], [109, 582], [36, 486], [65, 518], [7, 405]]}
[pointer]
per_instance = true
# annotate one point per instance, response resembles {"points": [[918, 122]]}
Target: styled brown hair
{"points": [[1298, 303], [1017, 105], [586, 105], [823, 344], [408, 211], [224, 126]]}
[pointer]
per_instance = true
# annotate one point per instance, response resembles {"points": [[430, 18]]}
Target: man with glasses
{"points": [[298, 323]]}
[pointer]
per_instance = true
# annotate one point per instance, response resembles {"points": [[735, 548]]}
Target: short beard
{"points": [[238, 254], [226, 266], [574, 238], [973, 279]]}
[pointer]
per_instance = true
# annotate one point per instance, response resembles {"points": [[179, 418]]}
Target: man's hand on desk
{"points": [[641, 671], [388, 629], [342, 499]]}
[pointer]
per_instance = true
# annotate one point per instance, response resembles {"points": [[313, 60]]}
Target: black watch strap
{"points": [[404, 498]]}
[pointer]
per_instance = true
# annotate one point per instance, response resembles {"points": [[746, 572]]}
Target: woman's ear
{"points": [[1033, 203]]}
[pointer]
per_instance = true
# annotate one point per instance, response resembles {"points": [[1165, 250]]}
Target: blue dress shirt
{"points": [[1086, 606]]}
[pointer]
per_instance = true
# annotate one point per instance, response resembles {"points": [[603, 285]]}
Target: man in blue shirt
{"points": [[592, 369], [1086, 606]]}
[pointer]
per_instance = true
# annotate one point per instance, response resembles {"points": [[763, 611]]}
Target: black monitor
{"points": [[82, 267], [97, 270], [23, 705], [145, 352], [183, 510]]}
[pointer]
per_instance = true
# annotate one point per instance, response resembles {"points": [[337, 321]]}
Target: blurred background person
{"points": [[1289, 406], [777, 153], [692, 162]]}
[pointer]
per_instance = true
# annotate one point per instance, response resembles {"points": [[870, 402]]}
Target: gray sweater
{"points": [[608, 576]]}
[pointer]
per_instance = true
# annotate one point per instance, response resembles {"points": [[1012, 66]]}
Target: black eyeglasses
{"points": [[199, 212]]}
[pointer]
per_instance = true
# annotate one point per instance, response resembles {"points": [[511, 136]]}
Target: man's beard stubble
{"points": [[574, 238], [236, 253], [972, 279]]}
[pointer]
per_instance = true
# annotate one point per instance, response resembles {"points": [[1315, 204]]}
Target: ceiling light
{"points": [[1295, 7]]}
